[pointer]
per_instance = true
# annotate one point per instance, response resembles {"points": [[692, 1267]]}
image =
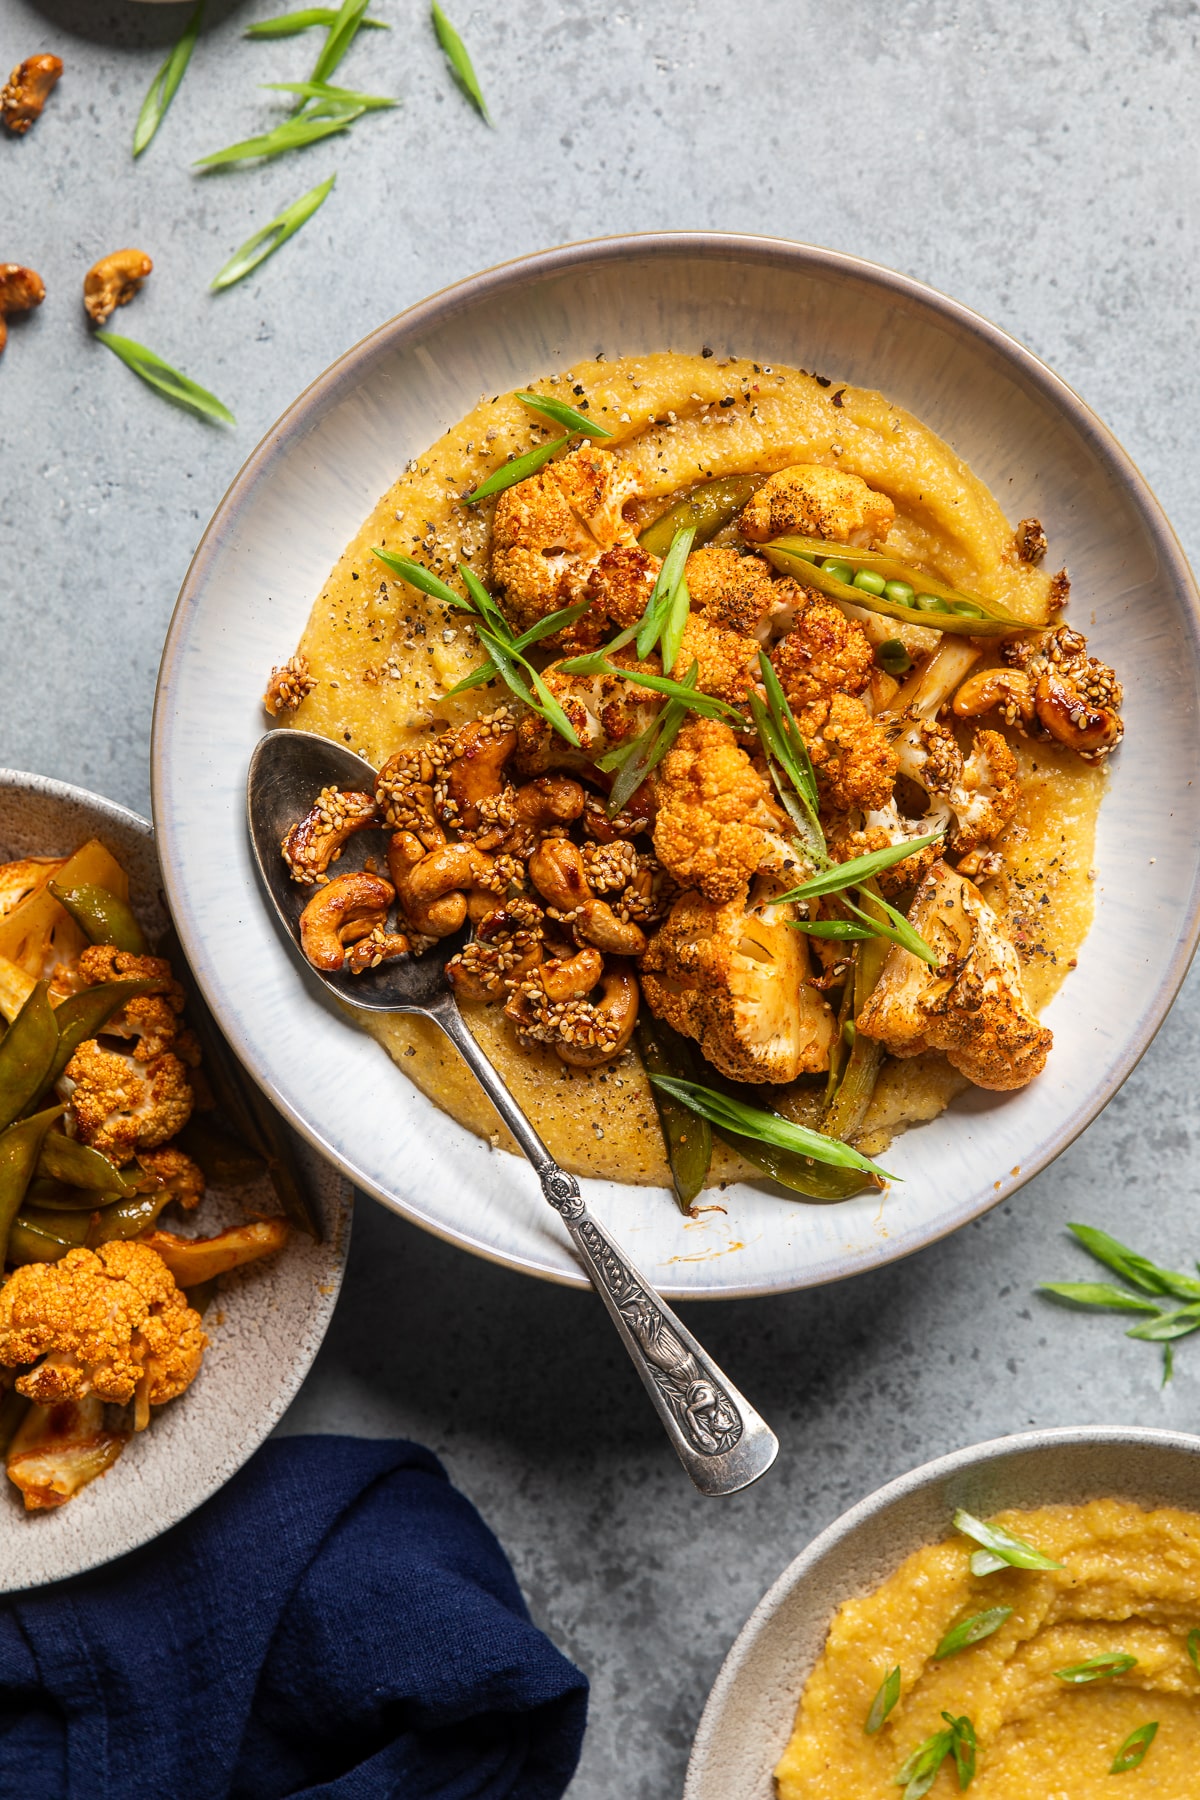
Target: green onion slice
{"points": [[918, 1774], [1002, 1544], [706, 704], [1139, 1271], [293, 23], [769, 1128], [882, 1704], [663, 595], [972, 1631], [803, 557], [1096, 1668], [456, 55], [859, 869], [509, 473], [1133, 1751], [167, 380], [264, 243], [1098, 1293], [965, 1747], [562, 414], [293, 134], [1168, 1326], [165, 85], [331, 101], [342, 33]]}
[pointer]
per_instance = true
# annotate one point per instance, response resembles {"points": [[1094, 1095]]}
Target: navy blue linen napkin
{"points": [[337, 1622]]}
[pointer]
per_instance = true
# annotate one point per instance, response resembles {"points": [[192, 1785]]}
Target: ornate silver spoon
{"points": [[719, 1438]]}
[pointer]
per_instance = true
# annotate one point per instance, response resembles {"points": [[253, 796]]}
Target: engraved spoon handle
{"points": [[718, 1437]]}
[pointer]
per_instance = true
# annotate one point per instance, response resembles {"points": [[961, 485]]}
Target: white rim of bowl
{"points": [[941, 1469], [278, 441]]}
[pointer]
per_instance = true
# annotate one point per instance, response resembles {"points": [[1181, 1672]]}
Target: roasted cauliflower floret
{"points": [[734, 976], [858, 834], [809, 500], [973, 799], [734, 591], [717, 824], [823, 654], [605, 710], [151, 1020], [109, 1322], [561, 537], [854, 761], [726, 661], [172, 1169], [972, 1006], [121, 1106]]}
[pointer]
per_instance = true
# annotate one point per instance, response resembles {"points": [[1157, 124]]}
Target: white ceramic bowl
{"points": [[265, 1326], [752, 1707], [303, 494]]}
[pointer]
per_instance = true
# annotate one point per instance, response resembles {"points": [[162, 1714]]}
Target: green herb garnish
{"points": [[859, 869], [166, 379], [291, 24], [634, 761], [1097, 1293], [565, 415], [1133, 1751], [663, 595], [918, 1774], [706, 704], [456, 55], [1096, 1668], [342, 33], [965, 1748], [767, 1127], [509, 473], [264, 243], [1163, 1326], [293, 134], [494, 633], [972, 1631], [165, 85], [1001, 1547], [882, 1704], [1193, 1648], [331, 102]]}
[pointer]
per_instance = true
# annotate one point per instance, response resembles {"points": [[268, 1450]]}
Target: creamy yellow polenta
{"points": [[1130, 1585], [382, 656]]}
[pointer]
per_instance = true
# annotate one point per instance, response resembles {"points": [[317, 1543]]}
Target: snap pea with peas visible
{"points": [[27, 1053], [706, 510], [880, 584], [687, 1138], [102, 916], [20, 1147]]}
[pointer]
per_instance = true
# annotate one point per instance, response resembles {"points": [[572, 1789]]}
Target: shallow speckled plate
{"points": [[318, 473], [265, 1326], [752, 1706]]}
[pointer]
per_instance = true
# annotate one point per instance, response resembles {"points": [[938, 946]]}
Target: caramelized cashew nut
{"points": [[113, 281], [343, 912], [476, 772], [430, 882], [557, 871], [571, 977], [482, 973], [617, 1008], [21, 290], [1072, 719], [26, 91], [1009, 689], [321, 836]]}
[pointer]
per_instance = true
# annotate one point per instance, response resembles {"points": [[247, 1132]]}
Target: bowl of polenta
{"points": [[1020, 1619]]}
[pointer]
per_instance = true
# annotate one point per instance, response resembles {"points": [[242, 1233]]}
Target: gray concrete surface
{"points": [[1035, 162]]}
